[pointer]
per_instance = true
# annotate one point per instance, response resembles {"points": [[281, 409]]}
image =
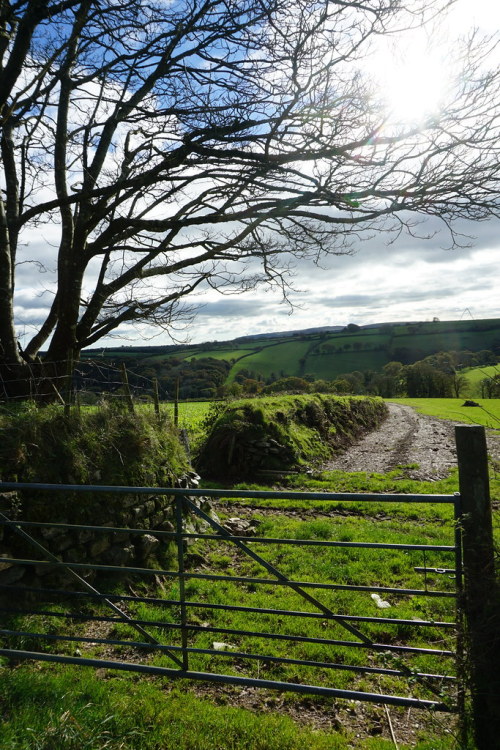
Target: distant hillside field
{"points": [[227, 354], [475, 375], [281, 359], [330, 366], [325, 354]]}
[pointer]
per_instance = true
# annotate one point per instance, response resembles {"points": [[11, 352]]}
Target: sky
{"points": [[409, 280]]}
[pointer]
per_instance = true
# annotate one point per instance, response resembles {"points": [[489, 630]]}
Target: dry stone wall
{"points": [[149, 513]]}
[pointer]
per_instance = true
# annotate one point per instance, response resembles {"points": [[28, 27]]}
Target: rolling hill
{"points": [[324, 353]]}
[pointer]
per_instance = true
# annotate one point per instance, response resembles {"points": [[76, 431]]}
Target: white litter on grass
{"points": [[380, 602], [218, 646]]}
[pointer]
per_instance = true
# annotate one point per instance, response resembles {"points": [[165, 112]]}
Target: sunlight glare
{"points": [[412, 82]]}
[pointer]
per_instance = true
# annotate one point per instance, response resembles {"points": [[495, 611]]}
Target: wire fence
{"points": [[88, 380]]}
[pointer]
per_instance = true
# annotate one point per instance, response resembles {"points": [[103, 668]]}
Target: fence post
{"points": [[126, 388], [481, 599], [176, 403], [156, 396]]}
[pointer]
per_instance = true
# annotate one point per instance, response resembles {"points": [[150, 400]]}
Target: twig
{"points": [[391, 730]]}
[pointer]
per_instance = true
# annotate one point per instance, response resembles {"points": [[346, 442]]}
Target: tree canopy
{"points": [[164, 148]]}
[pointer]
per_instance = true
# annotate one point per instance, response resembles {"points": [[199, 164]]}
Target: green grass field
{"points": [[54, 707], [191, 417], [330, 366], [227, 354], [191, 413], [486, 414], [273, 358], [475, 375]]}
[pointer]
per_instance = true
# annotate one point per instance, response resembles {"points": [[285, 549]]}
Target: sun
{"points": [[411, 80], [415, 86], [416, 73]]}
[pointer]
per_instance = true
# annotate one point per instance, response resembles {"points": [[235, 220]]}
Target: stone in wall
{"points": [[100, 546]]}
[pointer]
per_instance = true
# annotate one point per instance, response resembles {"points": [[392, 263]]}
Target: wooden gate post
{"points": [[481, 590]]}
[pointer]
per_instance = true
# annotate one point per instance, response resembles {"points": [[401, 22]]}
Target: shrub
{"points": [[106, 445]]}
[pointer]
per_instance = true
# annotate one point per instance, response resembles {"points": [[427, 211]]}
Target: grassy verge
{"points": [[70, 709]]}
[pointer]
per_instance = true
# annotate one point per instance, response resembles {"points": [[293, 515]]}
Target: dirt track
{"points": [[407, 437]]}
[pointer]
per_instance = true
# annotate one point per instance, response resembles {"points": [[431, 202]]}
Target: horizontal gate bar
{"points": [[231, 538], [323, 543], [240, 579], [227, 607], [250, 494], [325, 641], [207, 605], [231, 654], [327, 586], [253, 634], [232, 680]]}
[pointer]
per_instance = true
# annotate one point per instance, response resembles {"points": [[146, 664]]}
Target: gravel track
{"points": [[407, 437]]}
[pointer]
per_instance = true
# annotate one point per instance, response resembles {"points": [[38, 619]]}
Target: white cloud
{"points": [[367, 288]]}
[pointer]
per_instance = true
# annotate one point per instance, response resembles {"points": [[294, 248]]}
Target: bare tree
{"points": [[175, 146]]}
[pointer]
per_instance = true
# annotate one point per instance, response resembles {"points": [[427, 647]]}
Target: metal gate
{"points": [[104, 618]]}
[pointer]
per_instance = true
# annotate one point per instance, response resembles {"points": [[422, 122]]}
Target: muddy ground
{"points": [[407, 437]]}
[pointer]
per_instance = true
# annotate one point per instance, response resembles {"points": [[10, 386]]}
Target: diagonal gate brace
{"points": [[275, 572], [323, 608], [123, 615]]}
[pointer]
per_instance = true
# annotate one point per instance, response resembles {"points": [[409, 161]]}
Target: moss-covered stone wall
{"points": [[99, 446], [284, 433]]}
